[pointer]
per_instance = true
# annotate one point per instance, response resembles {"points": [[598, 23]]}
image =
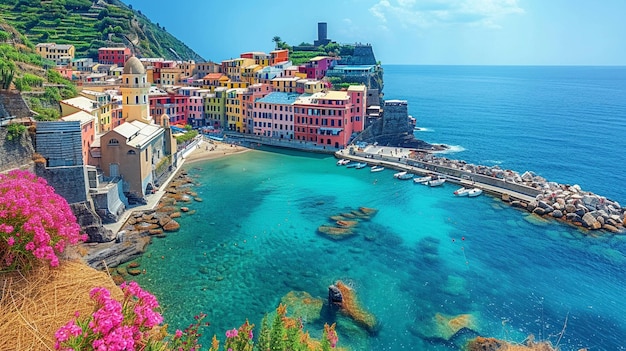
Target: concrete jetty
{"points": [[528, 191]]}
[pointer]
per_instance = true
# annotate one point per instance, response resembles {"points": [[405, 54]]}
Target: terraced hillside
{"points": [[89, 25]]}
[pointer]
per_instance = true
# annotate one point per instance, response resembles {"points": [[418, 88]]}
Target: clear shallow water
{"points": [[253, 239]]}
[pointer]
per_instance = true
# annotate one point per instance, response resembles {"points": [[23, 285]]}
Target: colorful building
{"points": [[260, 58], [329, 118], [215, 108], [114, 56], [310, 86], [135, 89], [214, 80], [273, 115], [234, 68], [88, 132], [254, 92], [285, 84], [278, 56], [61, 54], [316, 67], [171, 75], [81, 103], [103, 101], [234, 109], [172, 104]]}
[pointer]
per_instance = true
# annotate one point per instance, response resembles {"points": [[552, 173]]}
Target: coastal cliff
{"points": [[393, 128]]}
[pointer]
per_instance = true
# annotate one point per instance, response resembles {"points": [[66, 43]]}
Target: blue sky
{"points": [[440, 32]]}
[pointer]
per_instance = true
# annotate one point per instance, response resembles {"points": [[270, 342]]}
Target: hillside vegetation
{"points": [[89, 25], [21, 68]]}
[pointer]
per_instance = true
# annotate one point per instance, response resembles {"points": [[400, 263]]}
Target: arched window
{"points": [[114, 142], [136, 99], [131, 152], [136, 80]]}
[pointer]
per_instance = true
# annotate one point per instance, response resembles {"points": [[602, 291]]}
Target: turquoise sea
{"points": [[254, 237]]}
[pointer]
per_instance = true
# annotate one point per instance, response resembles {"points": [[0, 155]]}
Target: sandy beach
{"points": [[208, 150]]}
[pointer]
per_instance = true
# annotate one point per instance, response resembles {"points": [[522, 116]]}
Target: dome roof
{"points": [[134, 66]]}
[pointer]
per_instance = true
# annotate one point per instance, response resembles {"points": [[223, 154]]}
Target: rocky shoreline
{"points": [[139, 229]]}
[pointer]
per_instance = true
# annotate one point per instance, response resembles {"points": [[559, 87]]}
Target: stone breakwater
{"points": [[528, 191]]}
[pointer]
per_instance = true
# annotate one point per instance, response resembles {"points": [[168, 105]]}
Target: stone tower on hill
{"points": [[135, 89]]}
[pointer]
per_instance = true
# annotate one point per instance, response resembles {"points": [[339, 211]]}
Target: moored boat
{"points": [[399, 174], [377, 168], [361, 165], [474, 192], [343, 162], [422, 180], [405, 176], [462, 192], [436, 182], [351, 164]]}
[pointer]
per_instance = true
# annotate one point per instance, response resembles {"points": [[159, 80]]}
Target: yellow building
{"points": [[135, 89], [234, 109], [171, 76], [215, 107], [59, 53], [285, 84], [233, 68], [249, 74], [105, 107]]}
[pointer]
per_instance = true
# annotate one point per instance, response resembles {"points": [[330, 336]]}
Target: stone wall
{"points": [[17, 153], [69, 182], [393, 128], [363, 55], [13, 105]]}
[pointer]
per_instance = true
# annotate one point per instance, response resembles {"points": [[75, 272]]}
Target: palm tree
{"points": [[277, 40]]}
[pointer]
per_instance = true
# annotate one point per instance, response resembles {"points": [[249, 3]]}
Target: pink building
{"points": [[273, 115], [88, 131], [174, 105], [195, 105], [113, 56], [254, 92], [330, 118], [316, 67]]}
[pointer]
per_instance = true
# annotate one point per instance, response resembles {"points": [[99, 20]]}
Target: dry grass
{"points": [[34, 305]]}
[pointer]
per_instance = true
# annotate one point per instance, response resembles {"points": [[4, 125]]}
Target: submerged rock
{"points": [[445, 327]]}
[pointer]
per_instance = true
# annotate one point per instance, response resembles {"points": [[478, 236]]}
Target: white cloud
{"points": [[426, 13]]}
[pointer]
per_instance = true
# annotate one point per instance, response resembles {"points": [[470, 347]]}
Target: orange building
{"points": [[278, 56]]}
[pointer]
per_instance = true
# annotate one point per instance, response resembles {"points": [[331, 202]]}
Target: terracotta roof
{"points": [[213, 76]]}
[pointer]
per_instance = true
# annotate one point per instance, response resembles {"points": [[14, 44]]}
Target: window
{"points": [[114, 142], [131, 152]]}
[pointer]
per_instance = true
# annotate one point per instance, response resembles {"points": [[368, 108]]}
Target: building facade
{"points": [[114, 56]]}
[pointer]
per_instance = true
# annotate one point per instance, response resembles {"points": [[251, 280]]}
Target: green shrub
{"points": [[15, 131], [4, 36]]}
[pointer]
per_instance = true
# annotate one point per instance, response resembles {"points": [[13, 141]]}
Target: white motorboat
{"points": [[361, 165], [462, 192], [399, 174], [422, 180], [343, 162], [474, 192], [377, 169], [405, 176], [436, 182]]}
